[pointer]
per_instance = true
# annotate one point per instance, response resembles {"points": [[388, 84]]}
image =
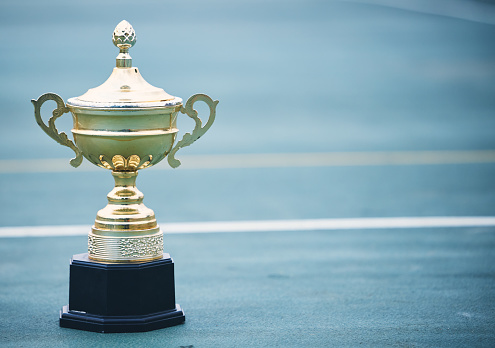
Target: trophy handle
{"points": [[198, 131], [51, 130]]}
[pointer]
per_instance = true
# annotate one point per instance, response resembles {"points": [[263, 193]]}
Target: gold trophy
{"points": [[125, 282]]}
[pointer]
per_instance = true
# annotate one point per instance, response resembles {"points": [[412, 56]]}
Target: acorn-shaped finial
{"points": [[124, 37]]}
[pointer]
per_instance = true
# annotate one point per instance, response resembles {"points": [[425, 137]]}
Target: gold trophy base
{"points": [[125, 230]]}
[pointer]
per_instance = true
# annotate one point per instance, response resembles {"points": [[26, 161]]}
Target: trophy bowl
{"points": [[125, 125]]}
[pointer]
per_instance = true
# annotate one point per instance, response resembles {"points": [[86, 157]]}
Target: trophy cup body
{"points": [[124, 282]]}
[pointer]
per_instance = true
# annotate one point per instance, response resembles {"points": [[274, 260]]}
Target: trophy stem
{"points": [[125, 230], [125, 192]]}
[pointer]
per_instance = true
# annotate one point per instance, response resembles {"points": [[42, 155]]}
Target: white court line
{"points": [[273, 160], [271, 225]]}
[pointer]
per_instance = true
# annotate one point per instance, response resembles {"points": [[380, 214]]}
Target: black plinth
{"points": [[121, 297]]}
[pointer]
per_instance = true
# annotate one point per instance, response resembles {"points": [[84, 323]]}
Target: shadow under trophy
{"points": [[125, 282]]}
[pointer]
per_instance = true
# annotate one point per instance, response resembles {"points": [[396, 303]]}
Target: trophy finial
{"points": [[124, 37]]}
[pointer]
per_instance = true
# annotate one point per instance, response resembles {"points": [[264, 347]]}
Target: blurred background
{"points": [[292, 78], [328, 109]]}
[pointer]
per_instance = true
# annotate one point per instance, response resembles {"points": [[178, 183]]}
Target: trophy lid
{"points": [[125, 88]]}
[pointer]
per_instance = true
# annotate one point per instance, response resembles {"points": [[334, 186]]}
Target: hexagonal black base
{"points": [[121, 297], [107, 324]]}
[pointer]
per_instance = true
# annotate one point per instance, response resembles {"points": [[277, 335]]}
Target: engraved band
{"points": [[125, 249]]}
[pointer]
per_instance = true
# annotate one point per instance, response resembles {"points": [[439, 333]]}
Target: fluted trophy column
{"points": [[124, 125]]}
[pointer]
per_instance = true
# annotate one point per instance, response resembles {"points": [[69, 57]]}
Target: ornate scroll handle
{"points": [[51, 130], [198, 131]]}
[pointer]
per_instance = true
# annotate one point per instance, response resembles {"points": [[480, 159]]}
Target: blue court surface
{"points": [[344, 197]]}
